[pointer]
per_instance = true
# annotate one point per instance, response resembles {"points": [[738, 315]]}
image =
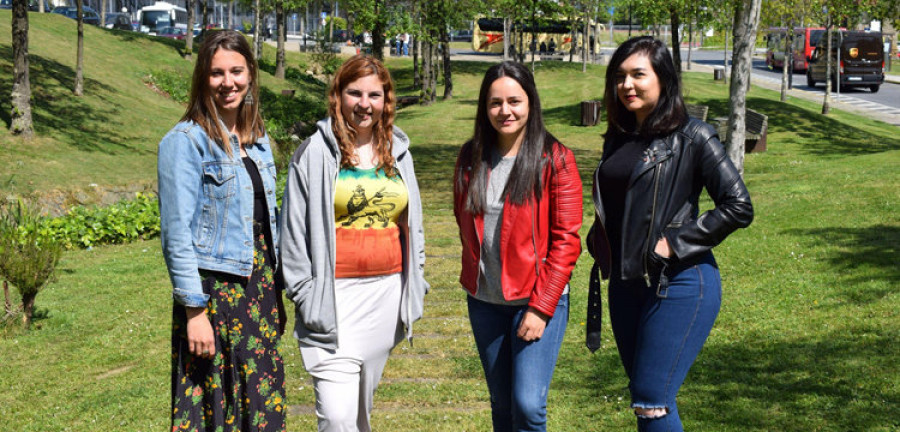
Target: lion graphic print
{"points": [[367, 207]]}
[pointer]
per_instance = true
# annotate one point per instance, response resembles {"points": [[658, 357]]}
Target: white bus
{"points": [[160, 15]]}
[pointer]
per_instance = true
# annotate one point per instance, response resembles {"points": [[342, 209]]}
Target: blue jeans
{"points": [[518, 373], [660, 334]]}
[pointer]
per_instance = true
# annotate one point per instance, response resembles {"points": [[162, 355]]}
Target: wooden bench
{"points": [[757, 129], [403, 101], [559, 56], [757, 125], [697, 111]]}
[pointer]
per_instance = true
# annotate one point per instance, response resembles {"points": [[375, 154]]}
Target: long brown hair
{"points": [[357, 67], [526, 176], [202, 106]]}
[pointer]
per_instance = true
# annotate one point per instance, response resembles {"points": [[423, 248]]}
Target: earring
{"points": [[248, 99]]}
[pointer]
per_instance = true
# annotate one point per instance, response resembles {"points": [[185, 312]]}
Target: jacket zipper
{"points": [[652, 219]]}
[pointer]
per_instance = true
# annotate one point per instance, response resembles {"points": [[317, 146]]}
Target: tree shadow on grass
{"points": [[434, 166], [852, 248], [568, 115], [822, 135], [56, 111], [764, 381]]}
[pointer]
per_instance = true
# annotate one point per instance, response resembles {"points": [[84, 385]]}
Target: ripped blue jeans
{"points": [[660, 334]]}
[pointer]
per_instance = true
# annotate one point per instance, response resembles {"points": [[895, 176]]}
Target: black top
{"points": [[260, 208], [619, 161]]}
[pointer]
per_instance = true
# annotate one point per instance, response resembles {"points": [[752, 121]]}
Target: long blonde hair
{"points": [[202, 107], [357, 67]]}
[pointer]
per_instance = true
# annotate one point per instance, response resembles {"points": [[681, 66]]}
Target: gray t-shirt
{"points": [[489, 287]]}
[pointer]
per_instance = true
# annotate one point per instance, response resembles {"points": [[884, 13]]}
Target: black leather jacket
{"points": [[662, 201]]}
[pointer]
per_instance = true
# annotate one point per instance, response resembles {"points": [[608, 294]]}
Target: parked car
{"points": [[171, 33], [118, 21], [33, 5], [861, 61], [89, 15]]}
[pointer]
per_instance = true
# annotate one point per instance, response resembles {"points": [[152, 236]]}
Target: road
{"points": [[886, 101]]}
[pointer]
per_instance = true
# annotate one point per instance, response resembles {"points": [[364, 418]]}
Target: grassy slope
{"points": [[108, 136], [809, 322]]}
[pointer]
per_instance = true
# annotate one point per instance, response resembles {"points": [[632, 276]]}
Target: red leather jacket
{"points": [[538, 247]]}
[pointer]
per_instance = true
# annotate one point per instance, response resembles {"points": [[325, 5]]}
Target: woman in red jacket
{"points": [[518, 204]]}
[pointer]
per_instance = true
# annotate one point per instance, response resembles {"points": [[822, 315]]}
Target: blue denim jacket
{"points": [[206, 207]]}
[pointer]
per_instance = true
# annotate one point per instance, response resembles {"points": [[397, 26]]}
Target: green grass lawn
{"points": [[807, 340]]}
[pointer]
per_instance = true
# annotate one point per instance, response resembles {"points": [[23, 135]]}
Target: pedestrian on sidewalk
{"points": [[353, 245], [517, 201], [649, 238]]}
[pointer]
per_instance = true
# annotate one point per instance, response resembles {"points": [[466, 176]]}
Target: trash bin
{"points": [[719, 73], [590, 112]]}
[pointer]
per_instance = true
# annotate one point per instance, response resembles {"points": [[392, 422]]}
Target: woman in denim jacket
{"points": [[217, 205]]}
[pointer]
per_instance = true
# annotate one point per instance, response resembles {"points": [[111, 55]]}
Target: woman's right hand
{"points": [[201, 341]]}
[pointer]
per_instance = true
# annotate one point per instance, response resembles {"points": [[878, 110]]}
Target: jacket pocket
{"points": [[206, 227], [219, 180]]}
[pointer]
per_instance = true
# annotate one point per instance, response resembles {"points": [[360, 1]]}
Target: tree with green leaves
{"points": [[20, 115]]}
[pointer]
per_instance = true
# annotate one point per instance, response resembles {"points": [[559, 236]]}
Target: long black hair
{"points": [[668, 115], [537, 145]]}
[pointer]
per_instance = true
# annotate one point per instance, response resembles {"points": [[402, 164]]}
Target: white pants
{"points": [[345, 379]]}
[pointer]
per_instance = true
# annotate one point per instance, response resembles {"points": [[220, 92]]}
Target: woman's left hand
{"points": [[662, 248], [532, 326]]}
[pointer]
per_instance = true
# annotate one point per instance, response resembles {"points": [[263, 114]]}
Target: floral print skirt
{"points": [[242, 387]]}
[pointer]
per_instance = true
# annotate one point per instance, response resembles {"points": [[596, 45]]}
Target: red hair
{"points": [[357, 67]]}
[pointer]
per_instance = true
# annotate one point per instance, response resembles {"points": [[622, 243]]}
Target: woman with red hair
{"points": [[353, 246]]}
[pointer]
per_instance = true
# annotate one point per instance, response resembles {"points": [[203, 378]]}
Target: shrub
{"points": [[123, 222], [28, 256], [176, 84]]}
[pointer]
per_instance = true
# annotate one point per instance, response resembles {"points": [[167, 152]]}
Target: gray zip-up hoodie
{"points": [[307, 237]]}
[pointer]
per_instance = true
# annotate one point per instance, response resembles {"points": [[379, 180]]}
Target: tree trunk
{"points": [[331, 26], [378, 32], [586, 40], [826, 104], [675, 21], [28, 304], [79, 63], [257, 42], [280, 20], [189, 37], [506, 31], [746, 20], [788, 60], [426, 72], [417, 71], [7, 302], [690, 41], [231, 15], [204, 10], [20, 96], [448, 75], [725, 54]]}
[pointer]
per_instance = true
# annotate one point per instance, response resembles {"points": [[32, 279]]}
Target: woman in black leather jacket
{"points": [[648, 237]]}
